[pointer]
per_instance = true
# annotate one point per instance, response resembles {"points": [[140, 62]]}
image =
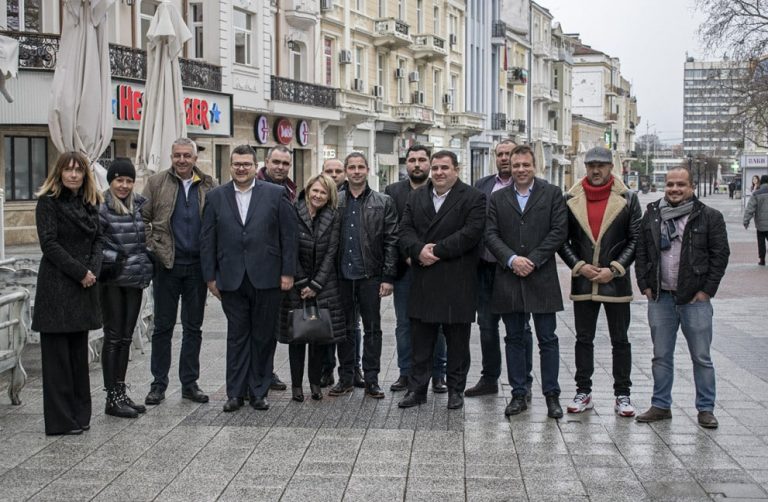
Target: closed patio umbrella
{"points": [[163, 116], [80, 106]]}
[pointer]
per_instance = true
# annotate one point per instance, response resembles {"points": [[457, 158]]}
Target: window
{"points": [[453, 26], [243, 34], [25, 15], [402, 82], [454, 91], [360, 6], [195, 23], [381, 68], [436, 94], [26, 166], [297, 50], [146, 13], [359, 62], [328, 60], [419, 16], [382, 8], [436, 21], [401, 9]]}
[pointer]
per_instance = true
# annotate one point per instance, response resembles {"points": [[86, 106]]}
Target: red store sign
{"points": [[284, 131]]}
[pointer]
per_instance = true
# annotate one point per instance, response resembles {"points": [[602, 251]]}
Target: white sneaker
{"points": [[624, 407], [580, 403]]}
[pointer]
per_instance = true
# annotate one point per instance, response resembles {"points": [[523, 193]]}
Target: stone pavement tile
{"points": [[597, 474], [21, 446], [544, 458], [387, 469], [675, 490], [661, 459], [601, 437], [315, 488], [649, 437], [436, 457], [251, 493], [372, 489], [442, 441], [236, 437], [329, 468], [485, 490], [425, 496], [394, 456], [329, 455], [28, 480], [544, 472], [506, 446], [554, 488], [736, 490], [750, 463], [493, 471], [531, 447], [696, 449], [715, 461], [184, 493], [436, 470], [609, 461], [438, 487], [653, 473], [587, 448], [262, 480], [759, 475], [382, 434], [386, 444], [608, 490], [490, 458], [55, 492]]}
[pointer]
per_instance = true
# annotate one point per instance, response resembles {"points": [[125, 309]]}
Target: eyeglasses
{"points": [[242, 165]]}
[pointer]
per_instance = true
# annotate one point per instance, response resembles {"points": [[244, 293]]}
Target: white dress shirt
{"points": [[438, 200], [243, 198]]}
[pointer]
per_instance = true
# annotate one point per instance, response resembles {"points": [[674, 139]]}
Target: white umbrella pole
{"points": [[2, 224]]}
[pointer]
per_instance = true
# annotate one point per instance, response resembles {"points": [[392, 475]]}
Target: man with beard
{"points": [[417, 166], [486, 271]]}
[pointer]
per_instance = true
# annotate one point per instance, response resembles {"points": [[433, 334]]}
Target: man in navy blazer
{"points": [[248, 255]]}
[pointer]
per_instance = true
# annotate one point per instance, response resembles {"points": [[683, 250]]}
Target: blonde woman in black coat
{"points": [[316, 277], [66, 303], [126, 270]]}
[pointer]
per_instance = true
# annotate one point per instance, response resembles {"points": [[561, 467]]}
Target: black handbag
{"points": [[310, 324]]}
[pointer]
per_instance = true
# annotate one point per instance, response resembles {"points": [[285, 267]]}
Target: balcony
{"points": [[542, 92], [303, 93], [565, 55], [612, 117], [302, 14], [612, 90], [554, 95], [428, 47], [466, 123], [38, 51], [499, 121], [517, 76], [517, 125], [542, 49], [418, 117], [498, 33], [391, 33], [356, 103]]}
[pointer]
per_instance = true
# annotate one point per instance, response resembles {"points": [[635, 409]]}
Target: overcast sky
{"points": [[650, 37]]}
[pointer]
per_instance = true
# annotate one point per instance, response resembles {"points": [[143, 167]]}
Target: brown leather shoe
{"points": [[654, 414], [707, 420]]}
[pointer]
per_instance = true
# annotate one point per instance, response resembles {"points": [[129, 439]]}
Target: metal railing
{"points": [[303, 93]]}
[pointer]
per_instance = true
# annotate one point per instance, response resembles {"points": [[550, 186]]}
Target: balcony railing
{"points": [[39, 51], [391, 32], [499, 121], [518, 125], [428, 46], [499, 29], [517, 75], [303, 93]]}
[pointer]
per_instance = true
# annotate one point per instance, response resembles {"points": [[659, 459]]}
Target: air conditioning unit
{"points": [[452, 39], [400, 73], [378, 91], [326, 4], [413, 76], [418, 98], [378, 105], [358, 85], [447, 99], [345, 56]]}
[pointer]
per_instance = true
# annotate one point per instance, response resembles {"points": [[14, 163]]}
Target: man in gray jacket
{"points": [[172, 215], [758, 208]]}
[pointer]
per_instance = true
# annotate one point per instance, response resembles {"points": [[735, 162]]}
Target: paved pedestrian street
{"points": [[355, 448]]}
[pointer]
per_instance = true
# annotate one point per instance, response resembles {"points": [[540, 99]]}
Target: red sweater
{"points": [[597, 200]]}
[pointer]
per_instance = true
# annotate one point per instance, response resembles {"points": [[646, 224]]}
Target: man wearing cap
{"points": [[173, 215], [603, 224]]}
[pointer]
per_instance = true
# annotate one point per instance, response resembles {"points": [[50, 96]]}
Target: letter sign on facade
{"points": [[302, 133], [261, 129], [283, 131]]}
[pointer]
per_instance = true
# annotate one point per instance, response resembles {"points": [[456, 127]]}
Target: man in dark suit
{"points": [[417, 167], [248, 255], [441, 228], [527, 224], [486, 270]]}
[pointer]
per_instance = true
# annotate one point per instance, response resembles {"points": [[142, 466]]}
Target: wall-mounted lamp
{"points": [[292, 45]]}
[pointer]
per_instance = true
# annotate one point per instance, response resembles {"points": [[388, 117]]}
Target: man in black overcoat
{"points": [[441, 229], [527, 224]]}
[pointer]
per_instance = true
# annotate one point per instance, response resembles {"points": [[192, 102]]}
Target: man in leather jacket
{"points": [[368, 257], [603, 224], [681, 256]]}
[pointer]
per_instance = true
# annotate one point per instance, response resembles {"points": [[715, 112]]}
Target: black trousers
{"points": [[618, 316], [423, 339], [66, 385], [761, 238], [119, 311], [361, 295], [314, 364], [252, 315]]}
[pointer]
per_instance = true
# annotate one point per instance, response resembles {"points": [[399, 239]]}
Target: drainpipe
{"points": [[529, 95], [278, 39]]}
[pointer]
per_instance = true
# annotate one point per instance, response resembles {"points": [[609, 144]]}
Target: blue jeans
{"points": [[489, 328], [403, 332], [695, 319], [549, 352], [361, 295], [183, 282]]}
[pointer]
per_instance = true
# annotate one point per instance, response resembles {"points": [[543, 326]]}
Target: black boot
{"points": [[117, 407], [122, 389]]}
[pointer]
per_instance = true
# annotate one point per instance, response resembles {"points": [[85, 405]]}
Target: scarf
{"points": [[597, 201], [668, 216]]}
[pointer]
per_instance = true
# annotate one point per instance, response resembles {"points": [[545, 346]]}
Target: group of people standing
{"points": [[449, 251]]}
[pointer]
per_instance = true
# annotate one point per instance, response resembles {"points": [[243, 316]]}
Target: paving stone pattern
{"points": [[355, 448]]}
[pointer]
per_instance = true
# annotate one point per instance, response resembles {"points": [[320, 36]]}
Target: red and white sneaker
{"points": [[580, 403], [624, 407]]}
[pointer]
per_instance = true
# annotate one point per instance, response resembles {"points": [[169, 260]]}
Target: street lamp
{"points": [[698, 178]]}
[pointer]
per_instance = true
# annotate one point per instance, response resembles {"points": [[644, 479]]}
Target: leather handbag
{"points": [[310, 324]]}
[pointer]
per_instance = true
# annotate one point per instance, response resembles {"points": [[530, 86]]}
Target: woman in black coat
{"points": [[316, 277], [125, 271], [66, 303]]}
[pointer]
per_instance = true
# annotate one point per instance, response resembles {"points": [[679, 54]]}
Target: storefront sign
{"points": [[302, 135], [207, 113], [284, 131], [261, 129], [754, 160]]}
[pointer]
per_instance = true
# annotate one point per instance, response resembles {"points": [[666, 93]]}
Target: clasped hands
{"points": [[89, 280], [427, 256], [600, 275]]}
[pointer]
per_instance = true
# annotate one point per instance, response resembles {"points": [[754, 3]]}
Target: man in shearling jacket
{"points": [[603, 225]]}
